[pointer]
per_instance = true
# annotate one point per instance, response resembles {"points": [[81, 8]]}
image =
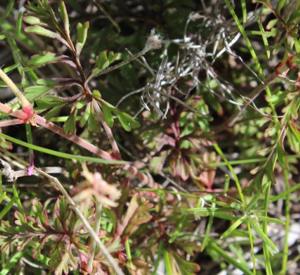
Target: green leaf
{"points": [[7, 208], [84, 118], [34, 91], [10, 68], [53, 112], [45, 82], [13, 261], [79, 105], [157, 163], [108, 115], [186, 267], [9, 7], [276, 98], [112, 57], [57, 258], [271, 24], [64, 17], [82, 31], [280, 5], [39, 60], [19, 24], [271, 246], [49, 101], [32, 20], [293, 136], [168, 263], [104, 60], [70, 124], [215, 248], [60, 154], [127, 121], [42, 31], [97, 94], [297, 45], [93, 124], [233, 227]]}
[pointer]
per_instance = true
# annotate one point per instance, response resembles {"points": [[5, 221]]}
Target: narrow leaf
{"points": [[82, 31], [60, 154], [49, 101], [34, 91], [65, 17], [42, 59], [107, 114], [32, 20], [70, 124], [42, 31], [127, 121]]}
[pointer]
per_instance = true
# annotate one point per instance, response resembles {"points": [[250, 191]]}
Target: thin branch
{"points": [[130, 94], [119, 65], [10, 122], [110, 136], [73, 138], [97, 229], [113, 22], [252, 96]]}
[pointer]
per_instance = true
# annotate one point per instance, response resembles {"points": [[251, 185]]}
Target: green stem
{"points": [[97, 229], [29, 140], [234, 176], [213, 245], [61, 154], [287, 216]]}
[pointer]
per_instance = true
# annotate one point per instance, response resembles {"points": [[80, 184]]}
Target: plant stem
{"points": [[285, 255], [97, 229], [75, 139], [23, 100]]}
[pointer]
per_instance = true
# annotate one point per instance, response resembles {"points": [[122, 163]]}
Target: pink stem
{"points": [[10, 122], [57, 130], [5, 108], [75, 139], [114, 145]]}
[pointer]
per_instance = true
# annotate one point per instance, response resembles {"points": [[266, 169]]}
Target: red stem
{"points": [[10, 122], [57, 130], [74, 138]]}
